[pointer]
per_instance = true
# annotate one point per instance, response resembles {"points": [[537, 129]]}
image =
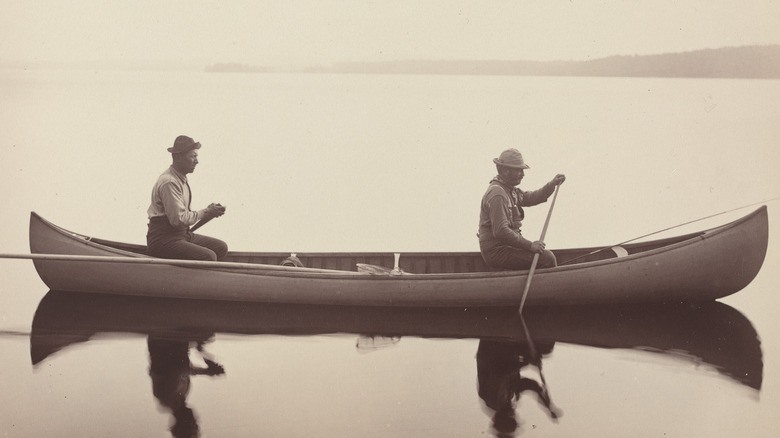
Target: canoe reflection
{"points": [[710, 333]]}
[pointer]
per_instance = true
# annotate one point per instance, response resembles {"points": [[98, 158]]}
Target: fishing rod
{"points": [[665, 229]]}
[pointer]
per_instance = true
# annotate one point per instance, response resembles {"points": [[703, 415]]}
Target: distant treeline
{"points": [[760, 62], [234, 67]]}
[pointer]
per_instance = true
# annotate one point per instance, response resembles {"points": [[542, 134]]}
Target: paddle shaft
{"points": [[207, 220], [536, 255], [200, 224]]}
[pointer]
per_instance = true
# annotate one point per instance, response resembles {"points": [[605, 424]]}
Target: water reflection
{"points": [[509, 355], [500, 367], [170, 369]]}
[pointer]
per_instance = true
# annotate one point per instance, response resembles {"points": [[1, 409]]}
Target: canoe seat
{"points": [[619, 251], [293, 261]]}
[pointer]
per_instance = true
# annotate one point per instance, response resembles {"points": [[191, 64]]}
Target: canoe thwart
{"points": [[619, 251]]}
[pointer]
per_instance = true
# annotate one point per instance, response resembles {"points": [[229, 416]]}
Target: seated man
{"points": [[500, 241], [170, 217]]}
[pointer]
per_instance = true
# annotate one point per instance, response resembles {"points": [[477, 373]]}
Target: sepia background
{"points": [[309, 155]]}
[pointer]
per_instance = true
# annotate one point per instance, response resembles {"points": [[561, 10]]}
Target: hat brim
{"points": [[181, 150], [515, 166]]}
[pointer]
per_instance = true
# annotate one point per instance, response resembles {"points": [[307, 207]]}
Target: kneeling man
{"points": [[501, 215]]}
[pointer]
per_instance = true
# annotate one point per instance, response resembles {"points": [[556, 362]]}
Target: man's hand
{"points": [[559, 179], [537, 247], [215, 210]]}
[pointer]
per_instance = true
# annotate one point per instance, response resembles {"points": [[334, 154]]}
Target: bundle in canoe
{"points": [[700, 266]]}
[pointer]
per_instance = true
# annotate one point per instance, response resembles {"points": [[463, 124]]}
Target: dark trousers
{"points": [[501, 256], [167, 242]]}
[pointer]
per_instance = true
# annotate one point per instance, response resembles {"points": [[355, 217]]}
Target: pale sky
{"points": [[322, 32]]}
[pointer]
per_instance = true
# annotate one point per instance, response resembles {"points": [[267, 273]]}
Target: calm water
{"points": [[391, 163]]}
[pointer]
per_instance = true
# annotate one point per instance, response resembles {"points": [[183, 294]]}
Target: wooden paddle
{"points": [[200, 224], [207, 220], [536, 256]]}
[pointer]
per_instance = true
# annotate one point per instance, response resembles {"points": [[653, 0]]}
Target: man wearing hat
{"points": [[170, 217], [500, 241]]}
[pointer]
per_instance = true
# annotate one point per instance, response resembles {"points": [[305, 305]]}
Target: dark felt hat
{"points": [[183, 144]]}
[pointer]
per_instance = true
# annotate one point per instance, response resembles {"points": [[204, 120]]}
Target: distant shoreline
{"points": [[748, 62], [745, 62]]}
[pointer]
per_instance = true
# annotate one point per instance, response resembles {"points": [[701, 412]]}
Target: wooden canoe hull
{"points": [[697, 267]]}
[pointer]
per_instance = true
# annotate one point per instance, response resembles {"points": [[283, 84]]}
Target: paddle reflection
{"points": [[500, 365], [170, 369]]}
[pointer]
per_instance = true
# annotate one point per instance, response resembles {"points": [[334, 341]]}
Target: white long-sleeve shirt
{"points": [[171, 197]]}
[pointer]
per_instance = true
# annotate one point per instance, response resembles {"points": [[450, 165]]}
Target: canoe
{"points": [[700, 266], [709, 333]]}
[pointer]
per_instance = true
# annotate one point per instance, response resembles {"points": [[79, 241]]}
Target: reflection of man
{"points": [[500, 384], [170, 369]]}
